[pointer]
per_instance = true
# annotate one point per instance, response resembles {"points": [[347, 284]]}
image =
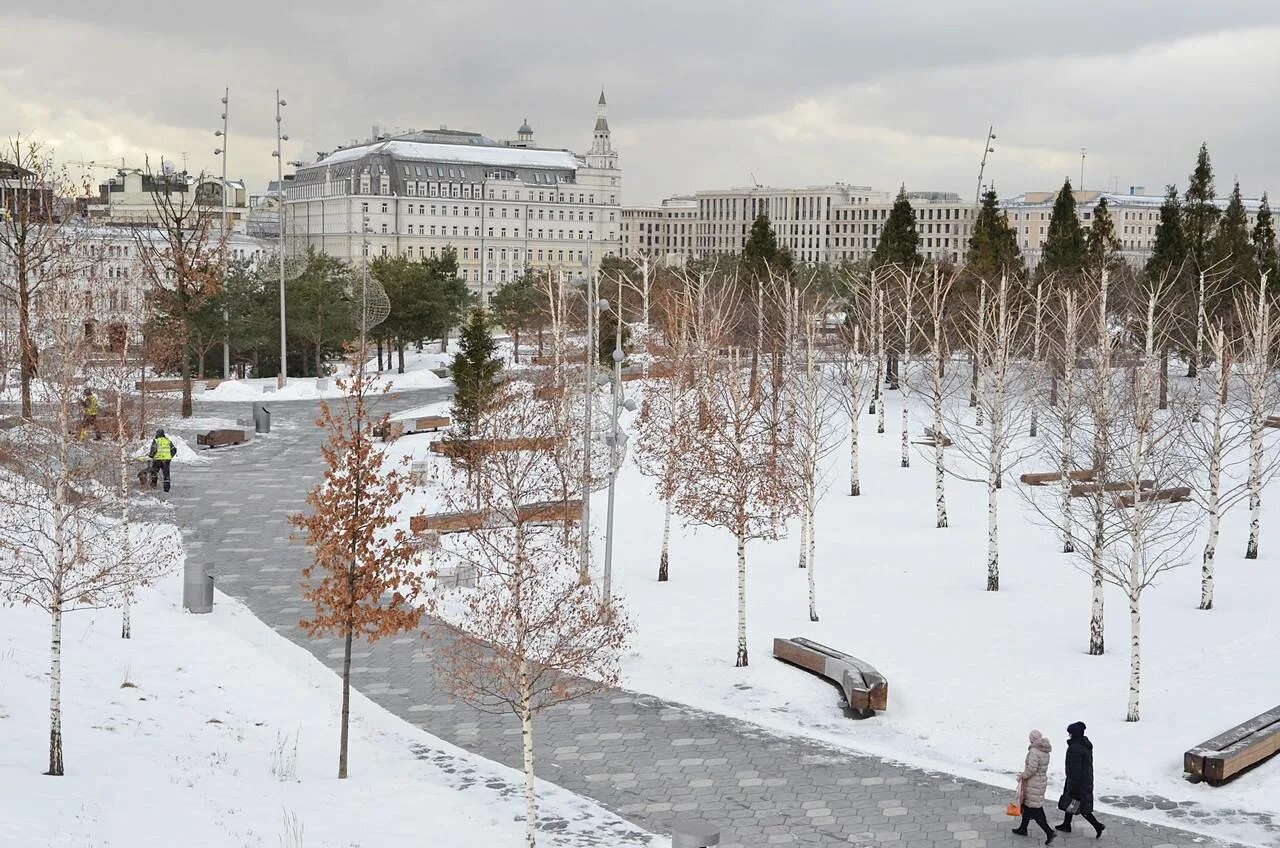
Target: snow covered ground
{"points": [[213, 730], [417, 375], [971, 672]]}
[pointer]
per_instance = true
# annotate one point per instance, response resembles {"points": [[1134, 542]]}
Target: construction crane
{"points": [[121, 168]]}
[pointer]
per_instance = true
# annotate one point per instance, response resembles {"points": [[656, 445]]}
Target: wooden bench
{"points": [[547, 392], [1043, 478], [221, 438], [463, 522], [390, 431], [1177, 494], [1079, 490], [426, 423], [1272, 421], [865, 689], [931, 439], [455, 448], [1239, 749]]}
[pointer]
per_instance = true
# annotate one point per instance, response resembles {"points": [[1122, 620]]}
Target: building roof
{"points": [[524, 128], [602, 124], [601, 102], [465, 154], [1090, 199]]}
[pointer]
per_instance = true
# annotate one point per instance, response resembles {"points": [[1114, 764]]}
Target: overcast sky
{"points": [[701, 94]]}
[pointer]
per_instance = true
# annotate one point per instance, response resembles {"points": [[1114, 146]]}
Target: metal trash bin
{"points": [[692, 833], [261, 418], [197, 588]]}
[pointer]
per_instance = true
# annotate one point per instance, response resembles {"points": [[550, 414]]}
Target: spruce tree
{"points": [[1199, 212], [1264, 242], [993, 247], [475, 372], [1064, 248], [899, 242], [762, 254], [1232, 248], [1101, 245], [1170, 249]]}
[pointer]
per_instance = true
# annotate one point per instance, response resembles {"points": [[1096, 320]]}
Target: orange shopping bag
{"points": [[1014, 809]]}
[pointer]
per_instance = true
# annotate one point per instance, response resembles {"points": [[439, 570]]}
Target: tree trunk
{"points": [[906, 436], [515, 339], [1164, 379], [186, 386], [1097, 644], [55, 689], [1214, 508], [346, 706], [1135, 652], [666, 538], [813, 553], [400, 356], [539, 342], [1255, 481], [319, 372], [993, 540], [379, 355], [741, 661], [855, 484], [26, 345], [526, 740], [804, 537]]}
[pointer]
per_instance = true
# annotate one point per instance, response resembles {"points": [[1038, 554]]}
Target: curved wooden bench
{"points": [[865, 689], [1236, 751]]}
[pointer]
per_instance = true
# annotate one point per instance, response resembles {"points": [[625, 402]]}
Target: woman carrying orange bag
{"points": [[1032, 784]]}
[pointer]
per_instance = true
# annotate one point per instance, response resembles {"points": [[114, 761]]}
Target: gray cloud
{"points": [[701, 94]]}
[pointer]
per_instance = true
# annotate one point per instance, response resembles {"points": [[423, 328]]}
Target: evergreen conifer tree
{"points": [[1101, 245], [762, 253], [993, 247], [1231, 246], [1170, 248], [1064, 248], [1264, 242], [899, 242], [475, 372], [1199, 212]]}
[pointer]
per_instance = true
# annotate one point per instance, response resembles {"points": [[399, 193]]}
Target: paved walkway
{"points": [[649, 760]]}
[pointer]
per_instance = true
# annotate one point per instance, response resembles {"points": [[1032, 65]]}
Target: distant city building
{"points": [[503, 205], [664, 233], [130, 197], [1135, 216], [20, 189], [829, 224]]}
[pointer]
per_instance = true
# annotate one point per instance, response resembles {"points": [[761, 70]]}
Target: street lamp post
{"points": [[589, 388], [222, 230], [986, 148], [281, 379], [617, 440]]}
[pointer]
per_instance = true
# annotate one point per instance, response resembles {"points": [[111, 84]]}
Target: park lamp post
{"points": [[282, 378], [616, 440], [222, 231]]}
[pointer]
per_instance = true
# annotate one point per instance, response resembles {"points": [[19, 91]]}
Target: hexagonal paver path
{"points": [[650, 760]]}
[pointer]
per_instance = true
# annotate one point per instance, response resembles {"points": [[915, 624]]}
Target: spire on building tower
{"points": [[600, 144]]}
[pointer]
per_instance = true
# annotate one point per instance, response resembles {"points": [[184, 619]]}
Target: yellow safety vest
{"points": [[92, 406], [164, 448]]}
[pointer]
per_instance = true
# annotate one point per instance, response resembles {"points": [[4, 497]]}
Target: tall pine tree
{"points": [[762, 254], [1199, 212], [475, 372], [899, 242], [1064, 248], [1101, 245], [993, 247], [1232, 248], [1264, 242], [1170, 249]]}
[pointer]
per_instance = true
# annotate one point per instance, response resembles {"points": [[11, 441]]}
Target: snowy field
{"points": [[417, 375], [970, 672], [213, 730]]}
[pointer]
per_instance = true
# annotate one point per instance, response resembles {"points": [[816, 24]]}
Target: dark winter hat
{"points": [[161, 433], [1076, 728]]}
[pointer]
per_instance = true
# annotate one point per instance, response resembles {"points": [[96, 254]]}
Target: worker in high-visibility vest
{"points": [[89, 407], [161, 454]]}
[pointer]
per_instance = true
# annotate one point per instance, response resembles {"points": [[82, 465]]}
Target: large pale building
{"points": [[664, 233], [503, 205], [1135, 216], [130, 197], [829, 224]]}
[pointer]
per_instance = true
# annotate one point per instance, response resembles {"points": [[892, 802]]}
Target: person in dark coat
{"points": [[1077, 795]]}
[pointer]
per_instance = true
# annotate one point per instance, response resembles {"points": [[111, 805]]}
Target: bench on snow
{"points": [[1080, 490], [1176, 494], [865, 689], [1239, 749], [460, 448], [463, 522], [1043, 478], [221, 438], [931, 439]]}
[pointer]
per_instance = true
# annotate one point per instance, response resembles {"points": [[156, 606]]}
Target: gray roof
{"points": [[524, 128]]}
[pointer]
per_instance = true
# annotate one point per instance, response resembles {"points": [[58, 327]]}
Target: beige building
{"points": [[1135, 215], [503, 205], [829, 224], [664, 233], [129, 197]]}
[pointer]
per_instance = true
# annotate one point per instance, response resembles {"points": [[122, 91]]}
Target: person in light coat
{"points": [[1033, 782]]}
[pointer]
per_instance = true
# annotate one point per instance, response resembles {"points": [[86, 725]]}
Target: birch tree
{"points": [[60, 550], [534, 636], [1257, 369], [856, 375]]}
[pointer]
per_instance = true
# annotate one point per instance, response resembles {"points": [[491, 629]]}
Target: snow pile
{"points": [[213, 730]]}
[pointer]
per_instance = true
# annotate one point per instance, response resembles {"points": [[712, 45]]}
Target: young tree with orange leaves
{"points": [[361, 582], [535, 635]]}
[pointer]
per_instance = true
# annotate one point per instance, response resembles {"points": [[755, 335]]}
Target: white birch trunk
{"points": [[906, 436], [804, 531], [855, 485], [663, 573], [1068, 418], [1036, 364], [1135, 649], [1097, 620], [741, 660], [1255, 468], [813, 553], [939, 455], [526, 739], [1213, 501], [881, 360], [993, 544], [55, 687]]}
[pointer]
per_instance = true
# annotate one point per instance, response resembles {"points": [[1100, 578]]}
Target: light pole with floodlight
{"points": [[222, 230], [617, 440], [282, 378]]}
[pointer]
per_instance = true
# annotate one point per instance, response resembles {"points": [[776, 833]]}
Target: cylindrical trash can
{"points": [[261, 418], [197, 588], [692, 833]]}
